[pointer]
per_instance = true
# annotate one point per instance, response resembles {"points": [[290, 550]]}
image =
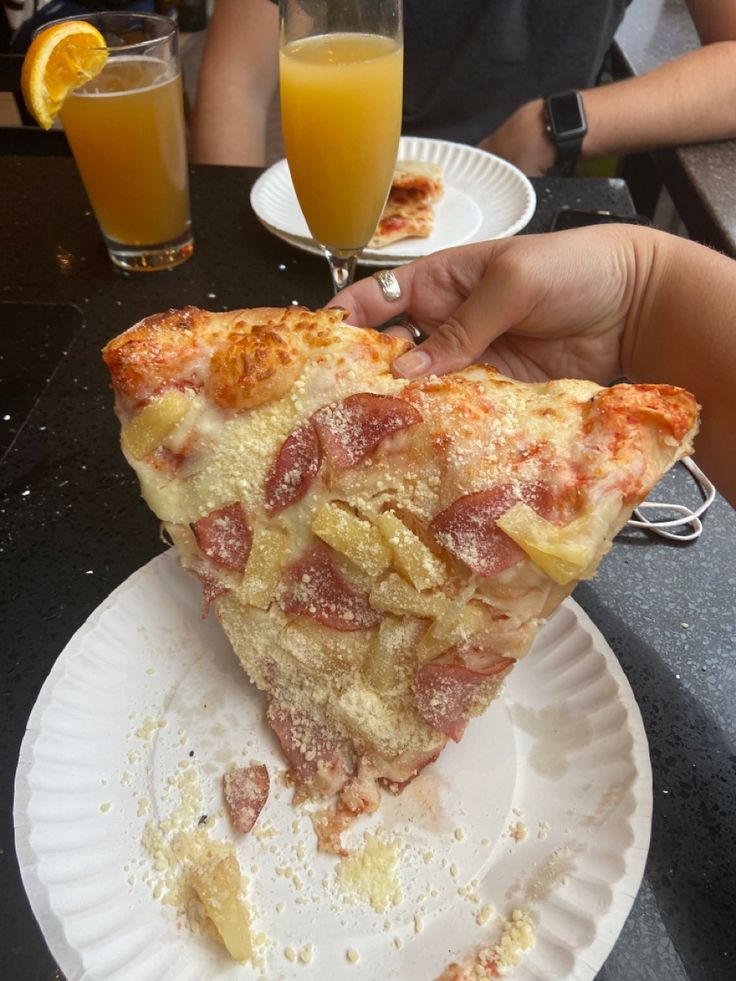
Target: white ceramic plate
{"points": [[563, 751], [485, 197]]}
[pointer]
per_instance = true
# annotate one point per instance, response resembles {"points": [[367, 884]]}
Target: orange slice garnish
{"points": [[59, 60]]}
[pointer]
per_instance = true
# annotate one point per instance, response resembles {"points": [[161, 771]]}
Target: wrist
{"points": [[538, 124]]}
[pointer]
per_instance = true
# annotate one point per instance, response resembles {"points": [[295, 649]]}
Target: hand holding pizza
{"points": [[536, 307], [598, 303]]}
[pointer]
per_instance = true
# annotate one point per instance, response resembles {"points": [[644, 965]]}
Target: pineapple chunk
{"points": [[154, 423], [394, 595], [447, 632], [263, 569], [217, 883], [380, 667], [409, 554], [357, 539], [456, 609], [568, 553]]}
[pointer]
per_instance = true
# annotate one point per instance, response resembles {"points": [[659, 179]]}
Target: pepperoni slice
{"points": [[468, 530], [225, 536], [294, 469], [246, 791], [351, 429], [311, 750], [444, 693], [314, 587]]}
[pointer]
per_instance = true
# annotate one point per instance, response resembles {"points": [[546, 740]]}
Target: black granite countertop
{"points": [[700, 178], [73, 528]]}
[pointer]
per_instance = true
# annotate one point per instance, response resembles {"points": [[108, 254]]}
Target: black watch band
{"points": [[566, 125]]}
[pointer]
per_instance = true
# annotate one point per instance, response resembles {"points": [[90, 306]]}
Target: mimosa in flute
{"points": [[341, 118]]}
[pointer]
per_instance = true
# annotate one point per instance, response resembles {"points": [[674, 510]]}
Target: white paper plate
{"points": [[563, 751], [485, 197]]}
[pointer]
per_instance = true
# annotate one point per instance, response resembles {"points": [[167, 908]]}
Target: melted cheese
{"points": [[369, 873]]}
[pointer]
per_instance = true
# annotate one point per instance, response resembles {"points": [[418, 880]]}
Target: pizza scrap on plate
{"points": [[409, 210], [379, 552]]}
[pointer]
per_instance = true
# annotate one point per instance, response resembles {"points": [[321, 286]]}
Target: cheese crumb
{"points": [[484, 914], [518, 831], [149, 728], [352, 955], [306, 953], [517, 936], [469, 892]]}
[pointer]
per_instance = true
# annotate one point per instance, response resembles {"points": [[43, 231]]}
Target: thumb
{"points": [[496, 304]]}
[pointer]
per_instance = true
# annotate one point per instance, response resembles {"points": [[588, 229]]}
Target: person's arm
{"points": [[592, 303], [237, 80], [690, 99], [715, 20], [682, 330]]}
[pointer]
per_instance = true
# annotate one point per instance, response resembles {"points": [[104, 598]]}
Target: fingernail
{"points": [[412, 363]]}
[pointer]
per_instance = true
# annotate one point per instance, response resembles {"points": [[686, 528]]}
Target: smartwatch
{"points": [[566, 125]]}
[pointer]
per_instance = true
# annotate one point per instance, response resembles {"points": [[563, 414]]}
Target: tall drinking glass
{"points": [[126, 131], [341, 73]]}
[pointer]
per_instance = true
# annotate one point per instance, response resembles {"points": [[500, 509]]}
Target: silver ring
{"points": [[409, 325], [416, 335], [389, 284]]}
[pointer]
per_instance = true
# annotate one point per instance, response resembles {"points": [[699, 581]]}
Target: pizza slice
{"points": [[409, 211], [379, 552]]}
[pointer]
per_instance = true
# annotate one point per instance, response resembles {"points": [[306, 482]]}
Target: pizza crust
{"points": [[244, 358]]}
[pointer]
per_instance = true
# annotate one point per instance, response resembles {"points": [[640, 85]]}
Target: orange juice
{"points": [[341, 117], [126, 131]]}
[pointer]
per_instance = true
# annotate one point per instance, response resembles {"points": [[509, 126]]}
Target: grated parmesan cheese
{"points": [[369, 874]]}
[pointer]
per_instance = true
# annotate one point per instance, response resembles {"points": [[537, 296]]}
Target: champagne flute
{"points": [[341, 73]]}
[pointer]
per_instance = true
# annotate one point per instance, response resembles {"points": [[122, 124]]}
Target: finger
{"points": [[497, 304], [367, 306]]}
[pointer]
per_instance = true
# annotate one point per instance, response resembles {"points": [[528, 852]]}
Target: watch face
{"points": [[566, 115]]}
